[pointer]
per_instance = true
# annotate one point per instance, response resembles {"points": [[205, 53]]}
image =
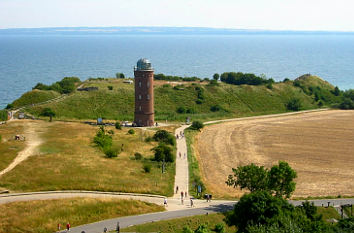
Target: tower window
{"points": [[139, 97], [148, 84], [148, 96], [139, 84], [139, 108]]}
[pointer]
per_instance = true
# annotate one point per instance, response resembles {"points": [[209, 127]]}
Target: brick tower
{"points": [[144, 93]]}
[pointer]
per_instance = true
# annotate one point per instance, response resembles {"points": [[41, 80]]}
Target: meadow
{"points": [[45, 215], [67, 159]]}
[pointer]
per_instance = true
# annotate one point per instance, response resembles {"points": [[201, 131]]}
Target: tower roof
{"points": [[143, 64]]}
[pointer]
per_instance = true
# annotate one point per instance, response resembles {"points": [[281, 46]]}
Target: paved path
{"points": [[182, 176]]}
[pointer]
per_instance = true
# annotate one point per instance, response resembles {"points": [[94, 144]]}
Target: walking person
{"points": [[185, 194], [182, 197], [165, 202], [176, 189], [105, 230], [192, 204], [68, 226], [118, 227], [59, 226]]}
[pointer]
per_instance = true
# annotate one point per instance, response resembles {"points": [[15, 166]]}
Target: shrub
{"points": [[110, 132], [117, 125], [110, 152], [294, 104], [190, 110], [148, 139], [120, 75], [220, 228], [203, 228], [138, 156], [165, 137], [198, 101], [163, 152], [9, 106], [213, 82], [110, 88], [65, 86], [215, 108], [147, 168], [186, 229], [197, 125], [269, 86], [131, 131], [3, 115], [181, 110], [102, 139]]}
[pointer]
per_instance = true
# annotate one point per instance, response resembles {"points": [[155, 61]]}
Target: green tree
{"points": [[48, 112], [120, 75], [197, 125], [251, 177], [294, 104], [216, 76], [281, 179], [163, 152], [165, 137], [117, 125]]}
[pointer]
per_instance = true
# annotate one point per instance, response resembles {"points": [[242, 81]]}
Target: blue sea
{"points": [[28, 59]]}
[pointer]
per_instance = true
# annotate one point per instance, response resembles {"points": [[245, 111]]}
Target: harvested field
{"points": [[318, 145]]}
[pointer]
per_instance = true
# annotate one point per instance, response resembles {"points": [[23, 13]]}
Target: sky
{"points": [[327, 15]]}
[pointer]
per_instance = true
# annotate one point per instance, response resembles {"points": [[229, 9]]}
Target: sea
{"points": [[26, 59]]}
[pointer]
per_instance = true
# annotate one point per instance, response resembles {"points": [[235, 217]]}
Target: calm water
{"points": [[27, 60]]}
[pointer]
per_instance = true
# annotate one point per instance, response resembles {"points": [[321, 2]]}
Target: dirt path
{"points": [[32, 142], [318, 145]]}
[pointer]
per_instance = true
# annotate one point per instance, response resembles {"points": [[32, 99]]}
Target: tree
{"points": [[197, 125], [216, 76], [336, 91], [294, 104], [258, 208], [120, 75], [48, 112], [252, 177], [165, 137], [163, 152], [281, 179]]}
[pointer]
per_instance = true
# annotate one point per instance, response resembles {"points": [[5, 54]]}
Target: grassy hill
{"points": [[199, 100]]}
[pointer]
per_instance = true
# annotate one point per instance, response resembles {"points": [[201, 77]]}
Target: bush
{"points": [[3, 115], [147, 168], [186, 229], [117, 125], [197, 125], [102, 139], [269, 86], [240, 78], [219, 228], [120, 75], [9, 106], [190, 110], [138, 156], [148, 139], [198, 101], [165, 137], [294, 104], [181, 110], [131, 131], [110, 132], [215, 108], [163, 152], [110, 88], [110, 153], [65, 86]]}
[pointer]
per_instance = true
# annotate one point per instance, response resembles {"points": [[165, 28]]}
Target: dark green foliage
{"points": [[216, 76], [251, 177], [269, 86], [186, 229], [219, 228], [148, 139], [240, 78], [163, 152], [256, 208], [3, 115], [65, 86], [281, 178], [345, 226], [213, 83], [102, 140], [48, 112], [203, 228], [111, 132], [138, 156], [131, 131], [348, 100], [110, 152], [110, 88], [117, 125], [336, 91], [181, 109], [120, 75], [215, 108], [147, 168], [175, 78], [9, 106], [286, 80], [294, 104], [197, 125], [165, 137]]}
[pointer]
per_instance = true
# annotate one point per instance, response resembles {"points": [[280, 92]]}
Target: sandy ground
{"points": [[318, 145], [32, 142]]}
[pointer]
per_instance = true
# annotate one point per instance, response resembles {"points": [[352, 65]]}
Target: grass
{"points": [[234, 101], [9, 148], [328, 213], [34, 97], [176, 225], [69, 160], [44, 215], [349, 211], [193, 165]]}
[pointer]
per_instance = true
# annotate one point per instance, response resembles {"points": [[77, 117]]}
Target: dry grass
{"points": [[319, 146], [8, 146], [68, 160], [44, 216]]}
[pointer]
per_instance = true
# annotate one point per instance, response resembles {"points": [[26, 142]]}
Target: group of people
{"points": [[181, 135], [183, 195], [104, 229], [68, 226], [180, 155]]}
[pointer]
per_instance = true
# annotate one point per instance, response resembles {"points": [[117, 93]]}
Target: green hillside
{"points": [[199, 100]]}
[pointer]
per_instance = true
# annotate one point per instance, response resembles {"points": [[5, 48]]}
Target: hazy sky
{"points": [[245, 14]]}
